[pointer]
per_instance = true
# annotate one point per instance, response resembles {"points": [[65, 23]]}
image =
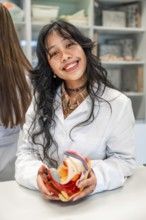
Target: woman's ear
{"points": [[53, 74]]}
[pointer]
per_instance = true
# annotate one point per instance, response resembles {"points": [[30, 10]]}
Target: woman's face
{"points": [[67, 59]]}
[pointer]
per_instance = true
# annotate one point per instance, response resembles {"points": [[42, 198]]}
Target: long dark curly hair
{"points": [[45, 85]]}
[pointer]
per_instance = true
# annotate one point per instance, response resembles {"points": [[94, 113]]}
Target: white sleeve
{"points": [[120, 162], [27, 165]]}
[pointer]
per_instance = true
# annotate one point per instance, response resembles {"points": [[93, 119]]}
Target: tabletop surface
{"points": [[125, 203]]}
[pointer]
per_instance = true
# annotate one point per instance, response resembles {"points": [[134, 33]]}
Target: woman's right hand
{"points": [[43, 189]]}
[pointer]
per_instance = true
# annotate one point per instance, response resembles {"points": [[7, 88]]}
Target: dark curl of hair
{"points": [[45, 85]]}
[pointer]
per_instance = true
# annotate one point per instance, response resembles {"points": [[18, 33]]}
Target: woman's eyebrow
{"points": [[51, 47], [48, 49]]}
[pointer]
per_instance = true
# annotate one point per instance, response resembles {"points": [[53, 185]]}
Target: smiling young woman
{"points": [[77, 110]]}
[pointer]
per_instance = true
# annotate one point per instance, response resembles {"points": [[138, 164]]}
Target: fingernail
{"points": [[50, 193], [80, 185]]}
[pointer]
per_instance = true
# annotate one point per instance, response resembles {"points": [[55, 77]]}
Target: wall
{"points": [[140, 139]]}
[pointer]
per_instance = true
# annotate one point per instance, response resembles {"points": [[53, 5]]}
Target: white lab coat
{"points": [[8, 148], [108, 141]]}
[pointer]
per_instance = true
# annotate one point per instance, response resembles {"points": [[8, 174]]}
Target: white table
{"points": [[126, 203]]}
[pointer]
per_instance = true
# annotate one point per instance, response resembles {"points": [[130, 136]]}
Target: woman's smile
{"points": [[70, 67]]}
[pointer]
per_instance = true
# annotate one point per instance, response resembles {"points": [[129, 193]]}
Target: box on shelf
{"points": [[127, 46], [127, 79], [113, 18], [97, 13], [114, 76], [44, 12], [113, 49], [133, 14], [78, 18], [132, 79]]}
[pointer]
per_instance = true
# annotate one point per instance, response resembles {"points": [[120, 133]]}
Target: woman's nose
{"points": [[65, 56]]}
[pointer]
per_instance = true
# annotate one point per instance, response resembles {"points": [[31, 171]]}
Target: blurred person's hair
{"points": [[15, 93]]}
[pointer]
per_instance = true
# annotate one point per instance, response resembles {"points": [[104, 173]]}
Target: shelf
{"points": [[84, 27], [122, 63], [37, 26], [134, 94], [118, 30], [118, 1]]}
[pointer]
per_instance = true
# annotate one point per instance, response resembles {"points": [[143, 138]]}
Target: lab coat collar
{"points": [[82, 110]]}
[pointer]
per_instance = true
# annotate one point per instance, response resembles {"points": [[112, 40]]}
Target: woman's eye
{"points": [[70, 44], [53, 54]]}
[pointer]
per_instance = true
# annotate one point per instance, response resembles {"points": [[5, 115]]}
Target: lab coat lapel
{"points": [[58, 107]]}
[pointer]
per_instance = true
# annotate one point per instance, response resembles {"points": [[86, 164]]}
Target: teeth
{"points": [[70, 66]]}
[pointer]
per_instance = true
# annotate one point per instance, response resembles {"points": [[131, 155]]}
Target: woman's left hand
{"points": [[88, 185]]}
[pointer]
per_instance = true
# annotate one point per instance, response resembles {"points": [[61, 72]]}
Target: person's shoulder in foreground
{"points": [[15, 93]]}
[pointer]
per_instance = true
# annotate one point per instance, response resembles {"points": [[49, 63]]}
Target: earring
{"points": [[54, 76]]}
